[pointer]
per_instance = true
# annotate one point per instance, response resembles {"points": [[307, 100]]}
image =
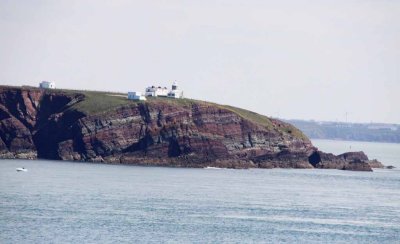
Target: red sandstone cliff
{"points": [[66, 125]]}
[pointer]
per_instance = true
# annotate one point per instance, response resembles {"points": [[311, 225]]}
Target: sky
{"points": [[297, 59]]}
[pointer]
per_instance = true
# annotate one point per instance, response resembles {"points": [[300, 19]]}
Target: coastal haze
{"points": [[329, 61]]}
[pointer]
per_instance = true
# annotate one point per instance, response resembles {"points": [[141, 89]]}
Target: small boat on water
{"points": [[21, 169], [209, 167]]}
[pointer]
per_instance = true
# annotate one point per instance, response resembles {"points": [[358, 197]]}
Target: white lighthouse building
{"points": [[156, 91], [175, 92]]}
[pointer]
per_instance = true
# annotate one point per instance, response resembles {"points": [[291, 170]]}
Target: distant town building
{"points": [[175, 92], [136, 96], [158, 91], [47, 85]]}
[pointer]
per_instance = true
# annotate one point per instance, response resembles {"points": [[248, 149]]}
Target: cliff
{"points": [[106, 127]]}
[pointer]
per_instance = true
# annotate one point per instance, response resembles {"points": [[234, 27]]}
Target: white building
{"points": [[175, 92], [47, 85], [136, 96], [154, 91]]}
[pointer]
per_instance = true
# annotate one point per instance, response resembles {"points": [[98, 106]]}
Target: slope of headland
{"points": [[107, 127]]}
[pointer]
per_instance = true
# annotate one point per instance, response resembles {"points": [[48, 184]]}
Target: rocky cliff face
{"points": [[32, 121], [52, 124]]}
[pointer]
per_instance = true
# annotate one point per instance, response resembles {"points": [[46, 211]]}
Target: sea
{"points": [[67, 202]]}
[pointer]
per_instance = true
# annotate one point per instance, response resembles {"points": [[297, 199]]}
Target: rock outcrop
{"points": [[70, 125], [347, 161]]}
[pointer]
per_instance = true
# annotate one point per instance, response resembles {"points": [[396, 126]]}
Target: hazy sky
{"points": [[292, 59]]}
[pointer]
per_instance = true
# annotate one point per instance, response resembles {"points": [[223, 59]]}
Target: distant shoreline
{"points": [[338, 140], [369, 132]]}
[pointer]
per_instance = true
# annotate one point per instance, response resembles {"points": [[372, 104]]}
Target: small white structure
{"points": [[47, 85], [136, 96], [175, 92], [154, 91], [157, 91]]}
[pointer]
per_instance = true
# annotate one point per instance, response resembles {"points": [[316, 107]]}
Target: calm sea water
{"points": [[64, 202]]}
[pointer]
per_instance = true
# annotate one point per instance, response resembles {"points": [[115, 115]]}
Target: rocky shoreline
{"points": [[54, 124]]}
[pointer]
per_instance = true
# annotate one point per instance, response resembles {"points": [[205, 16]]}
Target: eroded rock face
{"points": [[38, 123], [346, 161], [18, 111], [26, 120], [192, 136]]}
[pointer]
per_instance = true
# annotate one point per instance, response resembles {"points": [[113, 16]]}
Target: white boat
{"points": [[209, 167], [21, 169]]}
